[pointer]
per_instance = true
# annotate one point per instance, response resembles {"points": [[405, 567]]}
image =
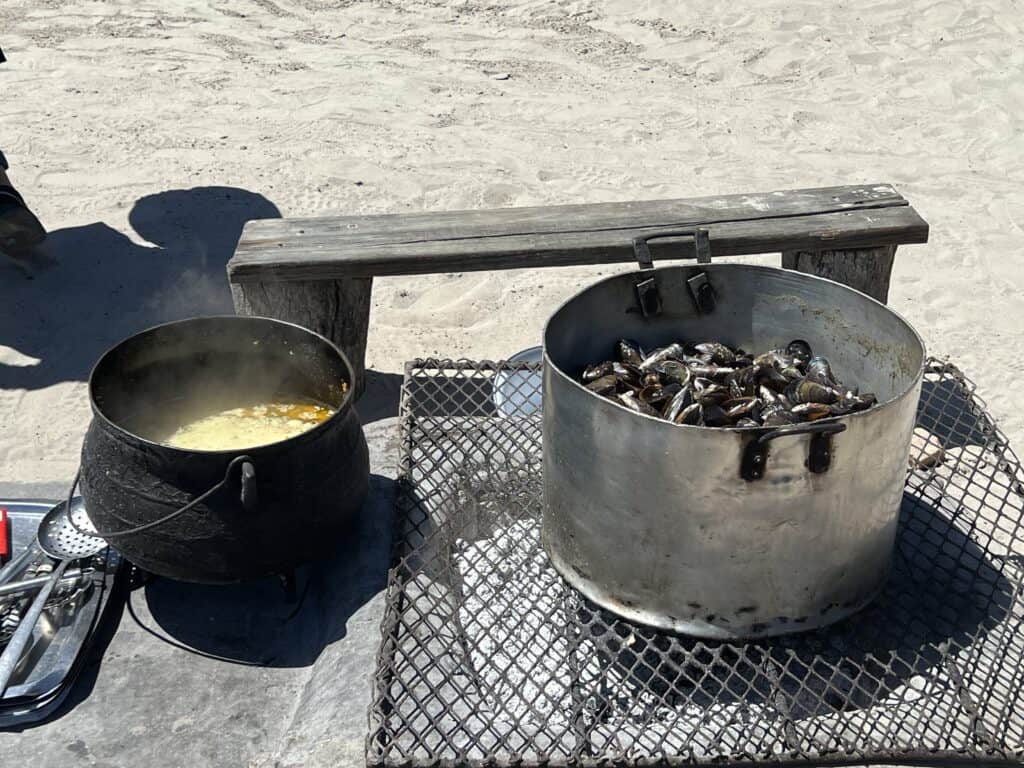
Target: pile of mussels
{"points": [[712, 385]]}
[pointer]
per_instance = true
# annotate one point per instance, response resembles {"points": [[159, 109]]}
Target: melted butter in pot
{"points": [[248, 427]]}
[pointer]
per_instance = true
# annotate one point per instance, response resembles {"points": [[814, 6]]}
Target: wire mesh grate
{"points": [[489, 658]]}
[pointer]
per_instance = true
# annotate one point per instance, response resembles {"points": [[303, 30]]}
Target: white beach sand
{"points": [[402, 105]]}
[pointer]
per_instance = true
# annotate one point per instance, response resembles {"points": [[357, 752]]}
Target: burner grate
{"points": [[489, 659]]}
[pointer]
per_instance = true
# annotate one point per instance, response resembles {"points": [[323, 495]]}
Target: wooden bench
{"points": [[319, 272]]}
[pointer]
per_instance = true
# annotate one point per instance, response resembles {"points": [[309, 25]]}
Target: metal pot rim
{"points": [[340, 412], [603, 401]]}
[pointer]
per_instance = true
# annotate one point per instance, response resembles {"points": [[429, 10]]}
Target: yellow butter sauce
{"points": [[249, 426]]}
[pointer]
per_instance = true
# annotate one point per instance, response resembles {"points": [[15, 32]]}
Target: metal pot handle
{"points": [[247, 477], [701, 243], [700, 288], [819, 458]]}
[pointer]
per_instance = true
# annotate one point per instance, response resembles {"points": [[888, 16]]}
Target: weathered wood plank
{"points": [[552, 219], [336, 309], [322, 256], [865, 269]]}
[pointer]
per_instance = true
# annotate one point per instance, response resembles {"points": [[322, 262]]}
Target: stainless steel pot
{"points": [[726, 533]]}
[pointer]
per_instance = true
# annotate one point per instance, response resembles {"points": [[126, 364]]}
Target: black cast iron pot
{"points": [[272, 507]]}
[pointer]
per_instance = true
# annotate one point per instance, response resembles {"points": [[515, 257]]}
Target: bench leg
{"points": [[866, 269], [337, 309]]}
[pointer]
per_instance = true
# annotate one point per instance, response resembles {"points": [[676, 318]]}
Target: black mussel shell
{"points": [[715, 416], [805, 391], [691, 414], [675, 371], [777, 415], [812, 411], [801, 350], [594, 372], [639, 406], [679, 401], [671, 352], [628, 352], [716, 352], [820, 372], [713, 395], [605, 385]]}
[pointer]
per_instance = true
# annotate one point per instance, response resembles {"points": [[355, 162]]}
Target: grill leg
{"points": [[865, 269]]}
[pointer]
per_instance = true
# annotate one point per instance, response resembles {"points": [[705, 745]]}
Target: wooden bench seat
{"points": [[318, 272]]}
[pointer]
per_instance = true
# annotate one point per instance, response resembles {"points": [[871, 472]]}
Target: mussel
{"points": [[665, 353], [716, 353], [629, 352], [629, 400], [675, 371], [820, 372], [807, 391], [718, 386], [594, 372], [691, 414], [682, 399], [811, 411], [606, 385], [800, 350]]}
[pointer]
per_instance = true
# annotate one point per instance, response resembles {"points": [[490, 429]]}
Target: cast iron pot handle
{"points": [[247, 475], [755, 455]]}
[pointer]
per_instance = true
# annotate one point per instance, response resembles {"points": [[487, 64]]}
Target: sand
{"points": [[145, 133]]}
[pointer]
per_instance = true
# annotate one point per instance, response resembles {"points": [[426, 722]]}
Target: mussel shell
{"points": [[631, 402], [595, 372], [741, 406], [767, 395], [679, 401], [806, 391], [627, 372], [772, 378], [716, 352], [672, 351], [851, 403], [605, 385], [675, 371], [743, 381], [698, 383], [801, 350], [650, 378], [691, 414], [654, 394], [714, 416], [713, 372], [746, 422], [776, 358], [820, 371], [713, 395], [628, 352], [812, 411], [778, 415]]}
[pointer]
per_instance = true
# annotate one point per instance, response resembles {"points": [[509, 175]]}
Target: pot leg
{"points": [[865, 269], [336, 309]]}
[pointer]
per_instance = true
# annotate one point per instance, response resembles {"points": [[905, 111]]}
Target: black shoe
{"points": [[20, 230]]}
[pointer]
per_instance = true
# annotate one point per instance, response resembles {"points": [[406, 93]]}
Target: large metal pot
{"points": [[274, 506], [685, 528]]}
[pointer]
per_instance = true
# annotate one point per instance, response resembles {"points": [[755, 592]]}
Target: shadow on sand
{"points": [[100, 286]]}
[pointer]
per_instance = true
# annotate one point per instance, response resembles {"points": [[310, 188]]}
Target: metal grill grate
{"points": [[489, 658]]}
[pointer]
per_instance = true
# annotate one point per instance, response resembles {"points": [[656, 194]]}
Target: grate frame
{"points": [[488, 658]]}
